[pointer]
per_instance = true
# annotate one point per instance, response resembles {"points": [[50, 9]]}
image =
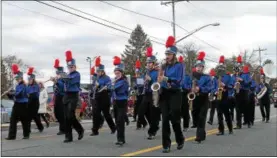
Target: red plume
{"points": [[68, 55], [92, 71], [98, 61], [116, 60], [261, 71], [149, 52], [239, 59], [57, 63], [228, 73], [15, 69], [245, 69], [170, 41], [181, 59], [138, 64], [30, 70], [201, 56], [221, 59], [194, 69], [212, 72]]}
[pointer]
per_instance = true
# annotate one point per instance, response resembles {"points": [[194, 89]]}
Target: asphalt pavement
{"points": [[260, 140]]}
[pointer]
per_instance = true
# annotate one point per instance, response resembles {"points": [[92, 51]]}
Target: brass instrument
{"points": [[6, 91], [262, 92], [155, 87], [220, 89], [191, 95], [211, 97]]}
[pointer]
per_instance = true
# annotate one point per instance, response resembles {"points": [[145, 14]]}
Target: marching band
{"points": [[165, 92]]}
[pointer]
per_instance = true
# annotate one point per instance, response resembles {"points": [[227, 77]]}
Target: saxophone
{"points": [[191, 95], [220, 89], [237, 86]]}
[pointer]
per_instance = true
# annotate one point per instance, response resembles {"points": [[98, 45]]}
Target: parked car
{"points": [[7, 105]]}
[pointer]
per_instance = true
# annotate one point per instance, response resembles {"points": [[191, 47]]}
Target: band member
{"points": [[139, 89], [264, 100], [20, 108], [72, 89], [231, 97], [225, 84], [102, 99], [242, 98], [119, 90], [213, 101], [59, 94], [252, 95], [170, 77], [186, 87], [193, 114], [93, 91], [147, 101], [33, 92], [200, 103]]}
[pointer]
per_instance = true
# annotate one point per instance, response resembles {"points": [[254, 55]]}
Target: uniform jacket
{"points": [[214, 85], [59, 88], [204, 84], [33, 91], [21, 93], [103, 81], [227, 80], [245, 84], [120, 89], [187, 83], [73, 83], [175, 76], [154, 77]]}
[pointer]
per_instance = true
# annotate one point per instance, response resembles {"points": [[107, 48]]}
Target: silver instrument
{"points": [[11, 88], [211, 97], [106, 87], [262, 92], [191, 95]]}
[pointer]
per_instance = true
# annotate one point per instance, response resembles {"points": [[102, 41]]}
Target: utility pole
{"points": [[260, 58], [173, 2]]}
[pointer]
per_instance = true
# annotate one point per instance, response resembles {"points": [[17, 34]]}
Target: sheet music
{"points": [[140, 81]]}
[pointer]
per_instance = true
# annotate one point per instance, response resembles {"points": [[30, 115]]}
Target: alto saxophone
{"points": [[220, 89], [191, 95]]}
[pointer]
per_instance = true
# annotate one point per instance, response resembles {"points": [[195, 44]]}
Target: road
{"points": [[260, 140]]}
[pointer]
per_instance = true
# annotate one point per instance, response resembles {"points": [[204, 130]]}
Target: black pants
{"points": [[252, 107], [185, 110], [144, 111], [59, 112], [232, 107], [170, 103], [19, 113], [137, 104], [44, 119], [200, 109], [103, 104], [223, 109], [265, 108], [70, 105], [93, 104], [242, 107], [212, 110], [120, 109], [33, 106]]}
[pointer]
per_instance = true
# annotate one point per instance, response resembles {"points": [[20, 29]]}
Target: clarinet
{"points": [[94, 88], [146, 83]]}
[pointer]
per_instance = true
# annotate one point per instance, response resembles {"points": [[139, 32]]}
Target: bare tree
{"points": [[190, 50]]}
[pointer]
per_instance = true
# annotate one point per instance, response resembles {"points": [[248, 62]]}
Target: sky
{"points": [[39, 34]]}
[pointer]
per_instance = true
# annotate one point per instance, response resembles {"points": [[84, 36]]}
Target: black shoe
{"points": [[127, 123], [26, 137], [60, 133], [9, 138], [40, 130], [94, 134], [180, 146], [120, 143], [151, 137], [210, 122], [252, 123], [238, 127], [166, 150], [263, 119], [249, 125], [144, 126], [113, 131], [231, 132], [244, 124], [47, 125], [81, 134], [68, 140], [220, 133], [193, 126], [198, 140], [267, 121]]}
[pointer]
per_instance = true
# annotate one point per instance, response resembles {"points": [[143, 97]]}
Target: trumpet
{"points": [[7, 91]]}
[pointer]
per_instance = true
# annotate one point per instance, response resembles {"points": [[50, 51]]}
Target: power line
{"points": [[51, 17], [100, 18], [156, 18], [63, 10]]}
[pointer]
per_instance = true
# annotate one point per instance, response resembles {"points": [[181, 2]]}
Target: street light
{"points": [[89, 60], [196, 30]]}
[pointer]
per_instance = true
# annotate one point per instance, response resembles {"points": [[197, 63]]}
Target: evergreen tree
{"points": [[135, 49]]}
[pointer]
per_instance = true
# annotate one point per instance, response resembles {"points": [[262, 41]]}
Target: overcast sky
{"points": [[40, 39]]}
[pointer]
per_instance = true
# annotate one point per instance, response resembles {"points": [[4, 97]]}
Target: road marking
{"points": [[142, 151]]}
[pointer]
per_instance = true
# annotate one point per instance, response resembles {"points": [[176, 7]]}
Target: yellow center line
{"points": [[210, 132]]}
